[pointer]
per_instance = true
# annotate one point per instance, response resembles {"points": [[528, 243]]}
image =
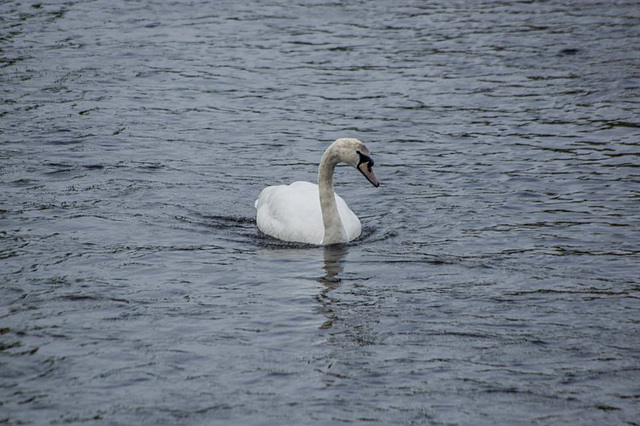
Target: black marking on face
{"points": [[365, 159]]}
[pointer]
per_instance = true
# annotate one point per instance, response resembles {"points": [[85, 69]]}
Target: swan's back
{"points": [[293, 213]]}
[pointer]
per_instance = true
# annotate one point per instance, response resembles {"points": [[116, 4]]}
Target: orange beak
{"points": [[366, 169]]}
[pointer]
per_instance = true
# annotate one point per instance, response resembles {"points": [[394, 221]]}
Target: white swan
{"points": [[308, 213]]}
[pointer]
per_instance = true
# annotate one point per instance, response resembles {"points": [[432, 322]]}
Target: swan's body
{"points": [[309, 213], [293, 213]]}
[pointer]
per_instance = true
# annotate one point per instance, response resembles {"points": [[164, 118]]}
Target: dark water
{"points": [[497, 278]]}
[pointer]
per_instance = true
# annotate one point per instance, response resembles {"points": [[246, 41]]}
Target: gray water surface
{"points": [[497, 277]]}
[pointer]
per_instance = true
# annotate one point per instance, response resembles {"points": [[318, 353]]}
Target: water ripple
{"points": [[496, 279]]}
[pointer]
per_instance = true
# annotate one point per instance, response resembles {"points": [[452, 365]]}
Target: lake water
{"points": [[497, 279]]}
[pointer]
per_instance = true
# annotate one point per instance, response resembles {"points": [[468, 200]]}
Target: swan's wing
{"points": [[350, 221], [291, 213]]}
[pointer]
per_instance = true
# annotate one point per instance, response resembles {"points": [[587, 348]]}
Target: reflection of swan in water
{"points": [[333, 257]]}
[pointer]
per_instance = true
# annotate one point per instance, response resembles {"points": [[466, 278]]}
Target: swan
{"points": [[308, 213]]}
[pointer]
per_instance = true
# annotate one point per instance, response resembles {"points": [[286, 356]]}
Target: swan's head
{"points": [[355, 153]]}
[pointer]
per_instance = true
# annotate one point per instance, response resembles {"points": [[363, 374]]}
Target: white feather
{"points": [[292, 213]]}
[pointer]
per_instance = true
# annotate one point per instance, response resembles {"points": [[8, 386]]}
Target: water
{"points": [[496, 280]]}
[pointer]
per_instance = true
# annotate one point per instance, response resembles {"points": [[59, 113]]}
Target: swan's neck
{"points": [[333, 229]]}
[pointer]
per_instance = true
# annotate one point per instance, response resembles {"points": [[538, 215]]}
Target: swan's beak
{"points": [[367, 171]]}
